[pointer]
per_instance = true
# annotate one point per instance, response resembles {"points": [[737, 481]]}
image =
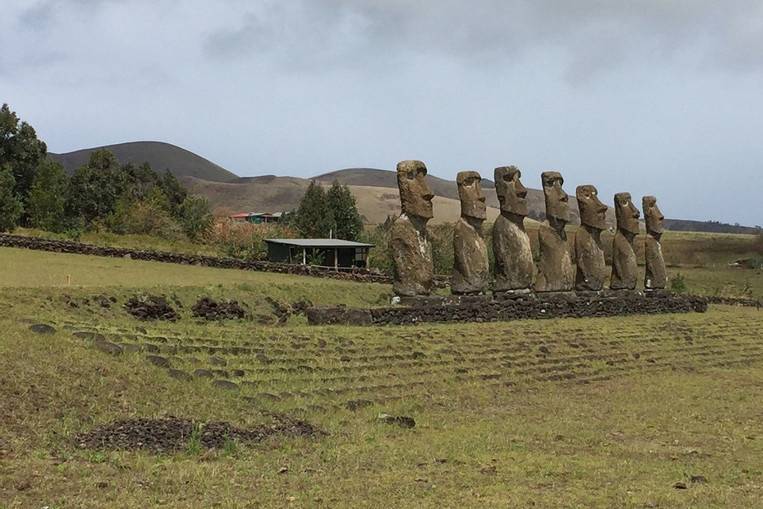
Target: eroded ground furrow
{"points": [[332, 367]]}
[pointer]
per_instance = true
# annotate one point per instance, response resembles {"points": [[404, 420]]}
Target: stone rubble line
{"points": [[499, 308]]}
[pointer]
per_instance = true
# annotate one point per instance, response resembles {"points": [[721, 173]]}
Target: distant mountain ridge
{"points": [[375, 189], [161, 156]]}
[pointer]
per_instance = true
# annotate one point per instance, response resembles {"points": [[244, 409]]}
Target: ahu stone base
{"points": [[515, 307]]}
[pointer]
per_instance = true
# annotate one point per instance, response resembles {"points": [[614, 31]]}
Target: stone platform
{"points": [[505, 307]]}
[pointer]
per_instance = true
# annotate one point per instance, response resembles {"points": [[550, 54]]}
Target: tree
{"points": [[195, 216], [174, 190], [21, 150], [348, 223], [314, 218], [47, 197], [139, 181], [94, 189], [10, 205]]}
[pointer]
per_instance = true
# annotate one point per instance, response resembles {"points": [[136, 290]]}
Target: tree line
{"points": [[35, 191]]}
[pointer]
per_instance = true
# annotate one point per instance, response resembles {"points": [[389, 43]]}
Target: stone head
{"points": [[557, 206], [652, 215], [471, 195], [626, 212], [593, 212], [512, 195], [415, 195]]}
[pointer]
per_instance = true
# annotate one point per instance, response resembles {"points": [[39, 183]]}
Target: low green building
{"points": [[336, 253]]}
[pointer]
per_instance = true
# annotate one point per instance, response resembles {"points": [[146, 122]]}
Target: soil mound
{"points": [[210, 309], [173, 434], [150, 307]]}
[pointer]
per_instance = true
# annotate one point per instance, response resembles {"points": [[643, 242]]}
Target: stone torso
{"points": [[589, 256], [471, 270], [624, 267], [555, 272], [412, 255], [656, 275], [514, 266]]}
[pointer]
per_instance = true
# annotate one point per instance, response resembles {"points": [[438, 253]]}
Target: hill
{"points": [[439, 186], [385, 178], [375, 192], [271, 193], [161, 156], [686, 225], [374, 189]]}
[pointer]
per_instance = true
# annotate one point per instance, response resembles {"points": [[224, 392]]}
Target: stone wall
{"points": [[62, 246], [734, 301], [487, 309]]}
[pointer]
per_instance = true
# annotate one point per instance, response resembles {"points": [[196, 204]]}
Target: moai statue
{"points": [[471, 270], [624, 268], [514, 267], [656, 276], [589, 253], [555, 272], [411, 250]]}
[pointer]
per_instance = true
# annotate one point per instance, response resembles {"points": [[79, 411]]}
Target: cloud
{"points": [[593, 35], [651, 96]]}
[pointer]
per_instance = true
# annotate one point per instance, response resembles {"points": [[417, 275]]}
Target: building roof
{"points": [[255, 214], [319, 243]]}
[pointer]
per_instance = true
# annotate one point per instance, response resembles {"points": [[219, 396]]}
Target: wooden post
{"points": [[304, 256], [336, 258]]}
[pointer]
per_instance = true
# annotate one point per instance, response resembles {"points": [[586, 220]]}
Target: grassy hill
{"points": [[161, 156]]}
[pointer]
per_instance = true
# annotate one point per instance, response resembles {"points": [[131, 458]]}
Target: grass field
{"points": [[606, 412], [37, 269]]}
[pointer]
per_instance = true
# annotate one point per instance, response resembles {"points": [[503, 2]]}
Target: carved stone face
{"points": [[415, 195], [557, 205], [511, 193], [592, 211], [627, 213], [471, 195], [652, 215]]}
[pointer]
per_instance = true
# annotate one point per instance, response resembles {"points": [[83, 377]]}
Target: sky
{"points": [[661, 97]]}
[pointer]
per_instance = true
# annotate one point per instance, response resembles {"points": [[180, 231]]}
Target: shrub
{"points": [[10, 205], [380, 256], [46, 198], [195, 217], [245, 240], [678, 283], [149, 217]]}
